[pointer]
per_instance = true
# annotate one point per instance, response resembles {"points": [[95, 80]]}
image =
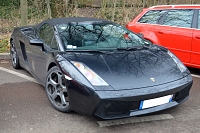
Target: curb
{"points": [[4, 56]]}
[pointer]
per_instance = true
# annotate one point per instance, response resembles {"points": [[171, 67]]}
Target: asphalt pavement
{"points": [[24, 108]]}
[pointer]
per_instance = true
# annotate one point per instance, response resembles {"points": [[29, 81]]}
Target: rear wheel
{"points": [[56, 90], [14, 56]]}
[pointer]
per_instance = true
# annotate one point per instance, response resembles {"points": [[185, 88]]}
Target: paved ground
{"points": [[24, 108]]}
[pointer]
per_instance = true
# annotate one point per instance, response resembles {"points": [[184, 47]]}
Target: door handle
{"points": [[197, 37], [160, 32]]}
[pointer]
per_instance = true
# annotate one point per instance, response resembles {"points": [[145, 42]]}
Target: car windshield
{"points": [[97, 36]]}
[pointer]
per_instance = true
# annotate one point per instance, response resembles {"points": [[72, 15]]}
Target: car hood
{"points": [[130, 69]]}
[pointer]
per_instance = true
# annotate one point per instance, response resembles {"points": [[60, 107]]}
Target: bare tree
{"points": [[66, 6], [155, 2], [103, 5], [24, 12], [49, 8], [144, 3], [113, 12]]}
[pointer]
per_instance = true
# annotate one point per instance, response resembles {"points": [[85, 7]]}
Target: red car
{"points": [[176, 27]]}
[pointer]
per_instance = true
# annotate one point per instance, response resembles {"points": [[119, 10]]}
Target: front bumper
{"points": [[125, 103]]}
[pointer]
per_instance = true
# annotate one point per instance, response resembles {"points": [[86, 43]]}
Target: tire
{"points": [[14, 56], [56, 90]]}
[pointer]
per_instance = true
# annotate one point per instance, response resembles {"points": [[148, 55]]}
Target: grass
{"points": [[4, 44]]}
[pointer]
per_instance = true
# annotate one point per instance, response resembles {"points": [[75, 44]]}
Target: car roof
{"points": [[55, 21], [195, 6]]}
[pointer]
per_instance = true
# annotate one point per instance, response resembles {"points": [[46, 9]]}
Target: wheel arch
{"points": [[152, 40], [11, 39], [52, 64], [151, 36]]}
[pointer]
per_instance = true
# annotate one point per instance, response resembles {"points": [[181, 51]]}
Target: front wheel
{"points": [[56, 90]]}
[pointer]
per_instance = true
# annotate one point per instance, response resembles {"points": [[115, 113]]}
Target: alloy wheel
{"points": [[57, 90]]}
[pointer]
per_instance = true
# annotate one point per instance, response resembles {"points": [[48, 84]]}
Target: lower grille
{"points": [[110, 108], [181, 95], [114, 108]]}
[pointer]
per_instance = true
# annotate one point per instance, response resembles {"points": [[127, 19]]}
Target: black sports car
{"points": [[97, 67]]}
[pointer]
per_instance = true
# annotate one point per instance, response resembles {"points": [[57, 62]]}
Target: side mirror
{"points": [[37, 42]]}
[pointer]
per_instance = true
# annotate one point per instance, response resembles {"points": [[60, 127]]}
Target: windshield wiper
{"points": [[133, 48], [88, 51]]}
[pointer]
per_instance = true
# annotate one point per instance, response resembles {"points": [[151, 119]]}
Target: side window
{"points": [[179, 18], [46, 33], [54, 44], [152, 17], [199, 20]]}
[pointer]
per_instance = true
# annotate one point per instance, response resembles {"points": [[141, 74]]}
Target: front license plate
{"points": [[155, 101]]}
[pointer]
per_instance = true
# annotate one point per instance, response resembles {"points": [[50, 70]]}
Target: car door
{"points": [[146, 24], [195, 53], [39, 56], [175, 33]]}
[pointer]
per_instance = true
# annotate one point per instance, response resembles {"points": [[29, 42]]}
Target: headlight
{"points": [[89, 74], [178, 62]]}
